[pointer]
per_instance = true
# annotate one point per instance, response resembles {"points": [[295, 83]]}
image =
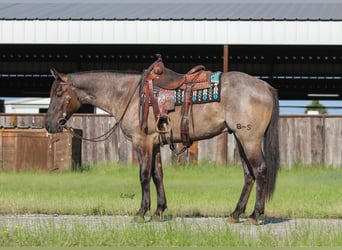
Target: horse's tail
{"points": [[271, 149]]}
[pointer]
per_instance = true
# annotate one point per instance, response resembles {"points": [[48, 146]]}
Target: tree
{"points": [[316, 106]]}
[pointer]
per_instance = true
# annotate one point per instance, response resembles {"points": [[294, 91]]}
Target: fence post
{"points": [[222, 139]]}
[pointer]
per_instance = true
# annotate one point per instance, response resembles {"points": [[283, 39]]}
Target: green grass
{"points": [[169, 234], [308, 193], [204, 190], [191, 191]]}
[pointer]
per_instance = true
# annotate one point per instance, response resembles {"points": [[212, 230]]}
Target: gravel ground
{"points": [[275, 226]]}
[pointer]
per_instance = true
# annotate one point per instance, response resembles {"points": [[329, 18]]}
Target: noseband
{"points": [[62, 121]]}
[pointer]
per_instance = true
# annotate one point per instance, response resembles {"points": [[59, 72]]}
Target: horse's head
{"points": [[63, 103]]}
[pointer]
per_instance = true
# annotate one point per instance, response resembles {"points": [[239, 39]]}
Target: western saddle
{"points": [[159, 85]]}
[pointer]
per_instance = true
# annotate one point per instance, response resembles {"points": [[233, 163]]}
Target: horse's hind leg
{"points": [[247, 188], [255, 158], [157, 176], [254, 170], [260, 175]]}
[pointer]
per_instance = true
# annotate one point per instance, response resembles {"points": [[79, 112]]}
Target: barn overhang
{"points": [[294, 45], [181, 32]]}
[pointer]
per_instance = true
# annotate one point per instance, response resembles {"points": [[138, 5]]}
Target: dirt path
{"points": [[275, 226]]}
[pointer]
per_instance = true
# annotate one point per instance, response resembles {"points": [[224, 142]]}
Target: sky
{"points": [[292, 107]]}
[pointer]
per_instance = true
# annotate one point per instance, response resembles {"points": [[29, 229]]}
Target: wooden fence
{"points": [[311, 140]]}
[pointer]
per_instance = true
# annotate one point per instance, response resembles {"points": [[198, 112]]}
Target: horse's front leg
{"points": [[144, 154], [157, 175]]}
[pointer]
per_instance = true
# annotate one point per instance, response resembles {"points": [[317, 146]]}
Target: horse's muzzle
{"points": [[55, 127]]}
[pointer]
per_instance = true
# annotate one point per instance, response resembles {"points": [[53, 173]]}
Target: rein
{"points": [[104, 136], [95, 139]]}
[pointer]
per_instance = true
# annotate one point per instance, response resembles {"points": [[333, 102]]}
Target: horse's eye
{"points": [[59, 94]]}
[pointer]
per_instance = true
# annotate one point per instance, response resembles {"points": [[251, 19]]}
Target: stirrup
{"points": [[165, 129]]}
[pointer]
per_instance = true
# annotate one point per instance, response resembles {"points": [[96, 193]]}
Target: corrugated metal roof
{"points": [[172, 10]]}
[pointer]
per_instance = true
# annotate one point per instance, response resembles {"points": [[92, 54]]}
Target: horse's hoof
{"points": [[253, 221], [232, 219]]}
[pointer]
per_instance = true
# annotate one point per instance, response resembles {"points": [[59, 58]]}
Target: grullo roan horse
{"points": [[248, 108]]}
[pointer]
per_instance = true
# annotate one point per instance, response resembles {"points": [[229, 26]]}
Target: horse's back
{"points": [[241, 81]]}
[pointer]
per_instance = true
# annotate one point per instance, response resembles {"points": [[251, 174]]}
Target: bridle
{"points": [[62, 121]]}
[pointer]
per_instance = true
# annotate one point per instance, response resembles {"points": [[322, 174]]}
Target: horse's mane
{"points": [[108, 71], [73, 75]]}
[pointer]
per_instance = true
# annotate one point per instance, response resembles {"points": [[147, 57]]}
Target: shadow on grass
{"points": [[267, 221]]}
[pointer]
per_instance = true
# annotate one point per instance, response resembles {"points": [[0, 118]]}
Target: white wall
{"points": [[26, 105]]}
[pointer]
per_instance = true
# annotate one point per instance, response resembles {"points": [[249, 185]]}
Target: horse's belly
{"points": [[205, 121]]}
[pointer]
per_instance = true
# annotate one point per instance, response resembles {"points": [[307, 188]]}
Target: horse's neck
{"points": [[108, 91]]}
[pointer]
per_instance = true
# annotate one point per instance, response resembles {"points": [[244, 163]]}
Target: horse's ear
{"points": [[54, 73], [59, 76]]}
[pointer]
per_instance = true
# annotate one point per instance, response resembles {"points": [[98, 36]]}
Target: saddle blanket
{"points": [[199, 95]]}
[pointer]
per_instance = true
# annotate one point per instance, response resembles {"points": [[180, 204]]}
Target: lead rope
{"points": [[95, 139], [106, 135]]}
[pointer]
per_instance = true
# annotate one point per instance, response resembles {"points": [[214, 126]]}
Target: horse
{"points": [[248, 109]]}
